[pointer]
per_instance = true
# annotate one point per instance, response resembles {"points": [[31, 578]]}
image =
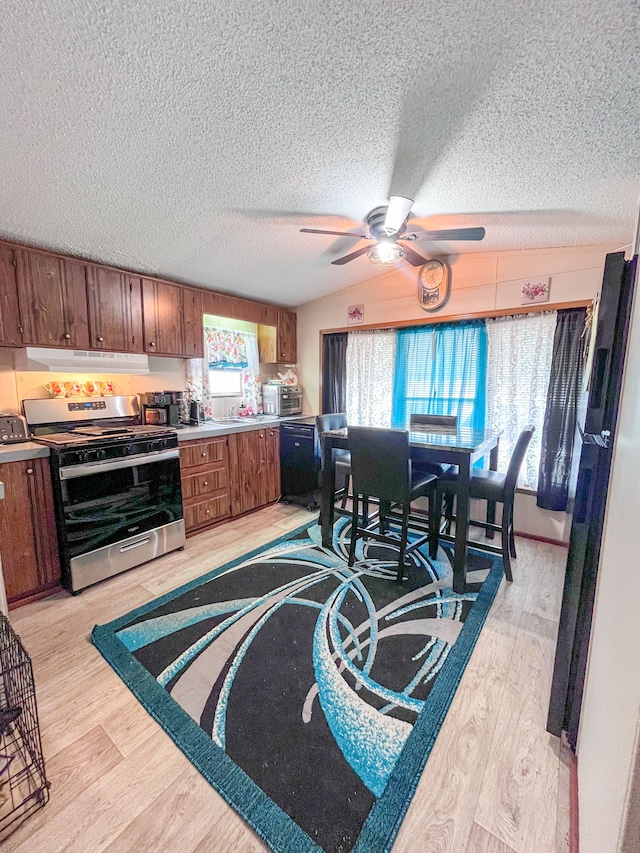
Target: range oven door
{"points": [[117, 514]]}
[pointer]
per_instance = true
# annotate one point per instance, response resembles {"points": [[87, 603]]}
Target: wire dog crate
{"points": [[23, 783]]}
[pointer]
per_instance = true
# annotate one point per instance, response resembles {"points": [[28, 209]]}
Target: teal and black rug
{"points": [[308, 693]]}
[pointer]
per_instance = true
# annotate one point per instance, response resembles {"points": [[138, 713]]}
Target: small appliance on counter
{"points": [[196, 413], [13, 428], [282, 400], [163, 408]]}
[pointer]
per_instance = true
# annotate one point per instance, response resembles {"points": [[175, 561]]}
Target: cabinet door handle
{"points": [[206, 482], [29, 470], [152, 343], [204, 452], [100, 338], [67, 336]]}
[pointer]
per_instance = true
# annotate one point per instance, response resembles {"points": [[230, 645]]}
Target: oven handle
{"points": [[75, 471]]}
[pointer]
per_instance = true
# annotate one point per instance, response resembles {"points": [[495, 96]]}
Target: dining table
{"points": [[459, 446]]}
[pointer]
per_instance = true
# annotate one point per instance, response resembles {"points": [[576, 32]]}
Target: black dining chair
{"points": [[337, 420], [420, 458], [494, 487], [381, 469], [442, 423]]}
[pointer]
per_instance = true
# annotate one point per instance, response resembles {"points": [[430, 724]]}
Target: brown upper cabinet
{"points": [[9, 310], [277, 344], [115, 310], [53, 300], [225, 305], [193, 338], [48, 299], [163, 317], [287, 327]]}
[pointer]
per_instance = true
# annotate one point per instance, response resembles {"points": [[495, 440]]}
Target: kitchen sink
{"points": [[246, 419]]}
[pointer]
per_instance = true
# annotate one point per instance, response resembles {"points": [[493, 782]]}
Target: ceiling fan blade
{"points": [[414, 258], [448, 234], [346, 258], [337, 233], [397, 211]]}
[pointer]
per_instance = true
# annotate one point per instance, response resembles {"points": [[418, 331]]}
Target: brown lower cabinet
{"points": [[254, 459], [228, 476], [204, 468], [28, 542]]}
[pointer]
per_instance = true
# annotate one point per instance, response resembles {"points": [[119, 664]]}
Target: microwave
{"points": [[282, 400]]}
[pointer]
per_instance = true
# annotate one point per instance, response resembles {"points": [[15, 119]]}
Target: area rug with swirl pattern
{"points": [[309, 694]]}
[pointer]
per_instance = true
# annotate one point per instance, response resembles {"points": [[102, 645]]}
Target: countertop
{"points": [[211, 429], [22, 450]]}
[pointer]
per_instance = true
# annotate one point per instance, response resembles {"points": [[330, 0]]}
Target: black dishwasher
{"points": [[300, 462]]}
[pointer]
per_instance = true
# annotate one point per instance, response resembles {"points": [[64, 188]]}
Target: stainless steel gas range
{"points": [[116, 485]]}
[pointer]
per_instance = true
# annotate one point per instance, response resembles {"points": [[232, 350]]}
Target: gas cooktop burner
{"points": [[94, 430], [101, 435]]}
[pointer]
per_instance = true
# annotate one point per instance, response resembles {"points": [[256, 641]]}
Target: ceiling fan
{"points": [[387, 227]]}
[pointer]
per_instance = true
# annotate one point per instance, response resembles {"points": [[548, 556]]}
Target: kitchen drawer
{"points": [[200, 513], [195, 453], [205, 482]]}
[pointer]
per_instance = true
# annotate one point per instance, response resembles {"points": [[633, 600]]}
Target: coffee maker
{"points": [[163, 408]]}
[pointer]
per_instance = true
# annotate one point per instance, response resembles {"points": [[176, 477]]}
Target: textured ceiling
{"points": [[194, 138]]}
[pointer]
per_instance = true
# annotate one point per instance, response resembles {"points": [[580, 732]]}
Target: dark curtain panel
{"points": [[334, 372], [560, 419]]}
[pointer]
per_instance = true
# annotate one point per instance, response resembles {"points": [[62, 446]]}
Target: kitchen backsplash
{"points": [[166, 374], [15, 386]]}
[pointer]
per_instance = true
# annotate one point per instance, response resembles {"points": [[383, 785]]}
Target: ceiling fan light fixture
{"points": [[397, 211], [386, 253]]}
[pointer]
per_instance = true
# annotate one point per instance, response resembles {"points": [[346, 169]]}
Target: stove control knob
{"points": [[83, 456], [127, 450], [102, 454]]}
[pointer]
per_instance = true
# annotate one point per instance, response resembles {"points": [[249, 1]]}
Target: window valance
{"points": [[225, 348]]}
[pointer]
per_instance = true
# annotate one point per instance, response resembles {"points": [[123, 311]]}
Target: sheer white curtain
{"points": [[518, 370], [370, 362]]}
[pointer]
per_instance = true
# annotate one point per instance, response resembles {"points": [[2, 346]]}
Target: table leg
{"points": [[491, 506], [462, 525], [327, 492]]}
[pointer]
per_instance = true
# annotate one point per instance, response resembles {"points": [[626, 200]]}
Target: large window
{"points": [[491, 374], [441, 370], [519, 365], [370, 359]]}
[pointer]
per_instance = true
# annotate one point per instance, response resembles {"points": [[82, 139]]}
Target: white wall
{"points": [[481, 282], [611, 704]]}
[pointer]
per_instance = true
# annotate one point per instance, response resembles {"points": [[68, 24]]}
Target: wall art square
{"points": [[535, 290], [355, 315]]}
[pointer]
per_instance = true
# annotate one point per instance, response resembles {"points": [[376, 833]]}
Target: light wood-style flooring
{"points": [[495, 782]]}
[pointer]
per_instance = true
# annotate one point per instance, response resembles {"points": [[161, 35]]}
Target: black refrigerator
{"points": [[597, 432]]}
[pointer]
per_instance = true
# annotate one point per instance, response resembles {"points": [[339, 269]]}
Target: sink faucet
{"points": [[232, 410]]}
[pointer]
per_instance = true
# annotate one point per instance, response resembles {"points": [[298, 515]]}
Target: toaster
{"points": [[13, 428]]}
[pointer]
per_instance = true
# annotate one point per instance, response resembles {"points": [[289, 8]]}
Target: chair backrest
{"points": [[517, 458], [335, 420], [380, 464], [448, 422]]}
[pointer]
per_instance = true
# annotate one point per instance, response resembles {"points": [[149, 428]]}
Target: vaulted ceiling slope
{"points": [[194, 138]]}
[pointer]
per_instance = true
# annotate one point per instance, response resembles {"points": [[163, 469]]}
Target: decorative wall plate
{"points": [[434, 285]]}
